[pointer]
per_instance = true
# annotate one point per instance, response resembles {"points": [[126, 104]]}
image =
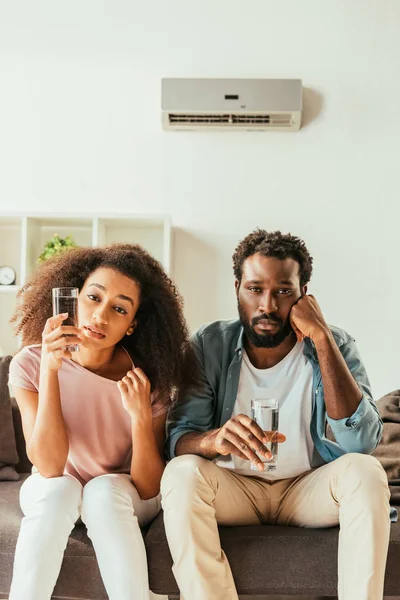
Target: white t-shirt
{"points": [[289, 382]]}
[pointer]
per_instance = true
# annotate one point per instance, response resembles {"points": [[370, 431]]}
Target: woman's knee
{"points": [[103, 493], [51, 496]]}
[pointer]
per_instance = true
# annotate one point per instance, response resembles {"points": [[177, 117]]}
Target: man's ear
{"points": [[237, 286], [304, 290]]}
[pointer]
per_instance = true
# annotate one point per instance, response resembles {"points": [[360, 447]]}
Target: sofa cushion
{"points": [[282, 560], [8, 450]]}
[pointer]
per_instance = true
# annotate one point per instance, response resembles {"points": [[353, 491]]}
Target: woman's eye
{"points": [[121, 310], [93, 297]]}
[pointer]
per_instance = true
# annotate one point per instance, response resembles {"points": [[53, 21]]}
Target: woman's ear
{"points": [[131, 328]]}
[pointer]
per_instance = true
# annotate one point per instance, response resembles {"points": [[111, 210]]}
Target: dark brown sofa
{"points": [[265, 559]]}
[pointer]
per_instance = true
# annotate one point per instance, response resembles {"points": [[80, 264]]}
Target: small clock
{"points": [[7, 275]]}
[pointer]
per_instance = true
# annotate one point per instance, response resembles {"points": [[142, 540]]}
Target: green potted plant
{"points": [[56, 245]]}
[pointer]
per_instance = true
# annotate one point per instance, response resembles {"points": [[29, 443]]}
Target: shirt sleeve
{"points": [[24, 371], [195, 411], [362, 431]]}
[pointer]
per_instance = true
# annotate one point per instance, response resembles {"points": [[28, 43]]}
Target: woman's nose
{"points": [[99, 317]]}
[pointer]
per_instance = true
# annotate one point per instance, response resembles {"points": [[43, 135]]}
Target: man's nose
{"points": [[268, 303]]}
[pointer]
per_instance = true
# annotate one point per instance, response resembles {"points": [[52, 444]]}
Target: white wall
{"points": [[80, 131]]}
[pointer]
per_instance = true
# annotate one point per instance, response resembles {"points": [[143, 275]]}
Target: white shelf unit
{"points": [[23, 236]]}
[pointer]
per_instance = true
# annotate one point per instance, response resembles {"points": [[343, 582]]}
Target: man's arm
{"points": [[351, 411], [202, 444], [341, 392], [194, 413]]}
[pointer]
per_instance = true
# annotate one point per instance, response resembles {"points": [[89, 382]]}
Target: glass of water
{"points": [[265, 412], [65, 300]]}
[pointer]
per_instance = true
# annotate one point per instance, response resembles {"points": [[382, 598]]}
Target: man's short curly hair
{"points": [[275, 244]]}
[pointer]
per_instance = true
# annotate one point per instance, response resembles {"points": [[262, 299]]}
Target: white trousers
{"points": [[112, 511]]}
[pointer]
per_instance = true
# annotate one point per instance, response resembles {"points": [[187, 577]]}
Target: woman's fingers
{"points": [[140, 375], [54, 322], [62, 343], [61, 331], [122, 386], [138, 379], [127, 381]]}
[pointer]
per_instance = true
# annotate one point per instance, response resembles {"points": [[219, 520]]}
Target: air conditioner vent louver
{"points": [[229, 119]]}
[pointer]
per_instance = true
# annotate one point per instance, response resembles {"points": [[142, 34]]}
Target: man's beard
{"points": [[266, 339]]}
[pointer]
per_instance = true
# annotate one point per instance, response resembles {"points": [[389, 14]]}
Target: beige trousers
{"points": [[351, 491]]}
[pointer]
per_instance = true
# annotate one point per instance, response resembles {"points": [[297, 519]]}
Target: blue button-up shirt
{"points": [[219, 348]]}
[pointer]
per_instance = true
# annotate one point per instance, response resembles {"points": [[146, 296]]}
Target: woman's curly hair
{"points": [[160, 342], [275, 244]]}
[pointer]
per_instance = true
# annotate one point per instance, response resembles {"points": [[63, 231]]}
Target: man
{"points": [[280, 347]]}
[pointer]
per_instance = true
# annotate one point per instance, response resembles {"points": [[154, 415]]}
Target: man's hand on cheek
{"points": [[307, 319]]}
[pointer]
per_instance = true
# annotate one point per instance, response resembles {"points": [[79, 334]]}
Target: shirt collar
{"points": [[240, 340]]}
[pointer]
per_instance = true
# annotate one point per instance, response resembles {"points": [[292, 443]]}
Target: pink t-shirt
{"points": [[99, 428]]}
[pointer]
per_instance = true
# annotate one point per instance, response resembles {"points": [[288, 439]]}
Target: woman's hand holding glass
{"points": [[55, 339], [135, 394]]}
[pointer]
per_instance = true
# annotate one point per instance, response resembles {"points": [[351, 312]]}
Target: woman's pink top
{"points": [[99, 428]]}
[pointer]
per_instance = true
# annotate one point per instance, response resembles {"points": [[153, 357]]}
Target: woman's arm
{"points": [[148, 462], [43, 423], [148, 434]]}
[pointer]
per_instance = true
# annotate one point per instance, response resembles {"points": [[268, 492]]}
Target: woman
{"points": [[94, 420]]}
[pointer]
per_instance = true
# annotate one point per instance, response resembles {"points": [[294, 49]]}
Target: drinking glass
{"points": [[65, 300], [265, 412]]}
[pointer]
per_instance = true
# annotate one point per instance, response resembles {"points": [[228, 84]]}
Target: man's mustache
{"points": [[269, 318]]}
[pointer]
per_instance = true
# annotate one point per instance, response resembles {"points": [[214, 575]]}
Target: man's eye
{"points": [[284, 292], [121, 310], [254, 289]]}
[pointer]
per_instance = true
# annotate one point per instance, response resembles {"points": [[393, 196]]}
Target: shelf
{"points": [[41, 230], [23, 237], [129, 231], [10, 244], [8, 342]]}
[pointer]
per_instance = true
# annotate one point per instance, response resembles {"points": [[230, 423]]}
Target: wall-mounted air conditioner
{"points": [[233, 104]]}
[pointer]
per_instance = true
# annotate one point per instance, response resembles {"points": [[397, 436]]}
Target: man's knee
{"points": [[182, 474], [366, 471]]}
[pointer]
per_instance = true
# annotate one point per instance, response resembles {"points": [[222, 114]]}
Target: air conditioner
{"points": [[233, 104]]}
